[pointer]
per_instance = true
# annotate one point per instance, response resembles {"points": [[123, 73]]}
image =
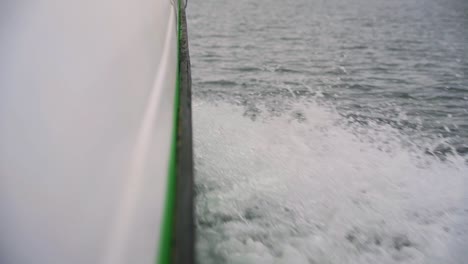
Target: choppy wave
{"points": [[330, 131], [309, 186]]}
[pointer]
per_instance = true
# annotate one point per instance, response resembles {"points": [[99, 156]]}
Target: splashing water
{"points": [[281, 177], [307, 186]]}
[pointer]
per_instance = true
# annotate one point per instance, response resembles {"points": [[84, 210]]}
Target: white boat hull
{"points": [[86, 124]]}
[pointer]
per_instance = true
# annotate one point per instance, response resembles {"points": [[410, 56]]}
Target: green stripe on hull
{"points": [[166, 237]]}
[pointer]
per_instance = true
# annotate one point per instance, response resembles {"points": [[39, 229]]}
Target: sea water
{"points": [[330, 131]]}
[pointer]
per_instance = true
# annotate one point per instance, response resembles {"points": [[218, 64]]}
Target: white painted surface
{"points": [[86, 109]]}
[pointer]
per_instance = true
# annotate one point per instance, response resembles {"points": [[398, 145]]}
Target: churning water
{"points": [[330, 131]]}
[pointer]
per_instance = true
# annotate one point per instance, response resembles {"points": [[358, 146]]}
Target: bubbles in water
{"points": [[307, 186]]}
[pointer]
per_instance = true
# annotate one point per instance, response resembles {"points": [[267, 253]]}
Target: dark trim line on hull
{"points": [[183, 233]]}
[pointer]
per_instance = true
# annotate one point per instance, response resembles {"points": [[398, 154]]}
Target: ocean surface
{"points": [[330, 131]]}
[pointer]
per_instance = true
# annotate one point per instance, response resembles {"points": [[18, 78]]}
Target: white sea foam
{"points": [[304, 188]]}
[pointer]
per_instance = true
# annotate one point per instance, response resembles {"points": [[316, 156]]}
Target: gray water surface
{"points": [[330, 131]]}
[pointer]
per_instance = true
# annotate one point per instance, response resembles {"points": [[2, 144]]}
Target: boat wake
{"points": [[306, 186]]}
